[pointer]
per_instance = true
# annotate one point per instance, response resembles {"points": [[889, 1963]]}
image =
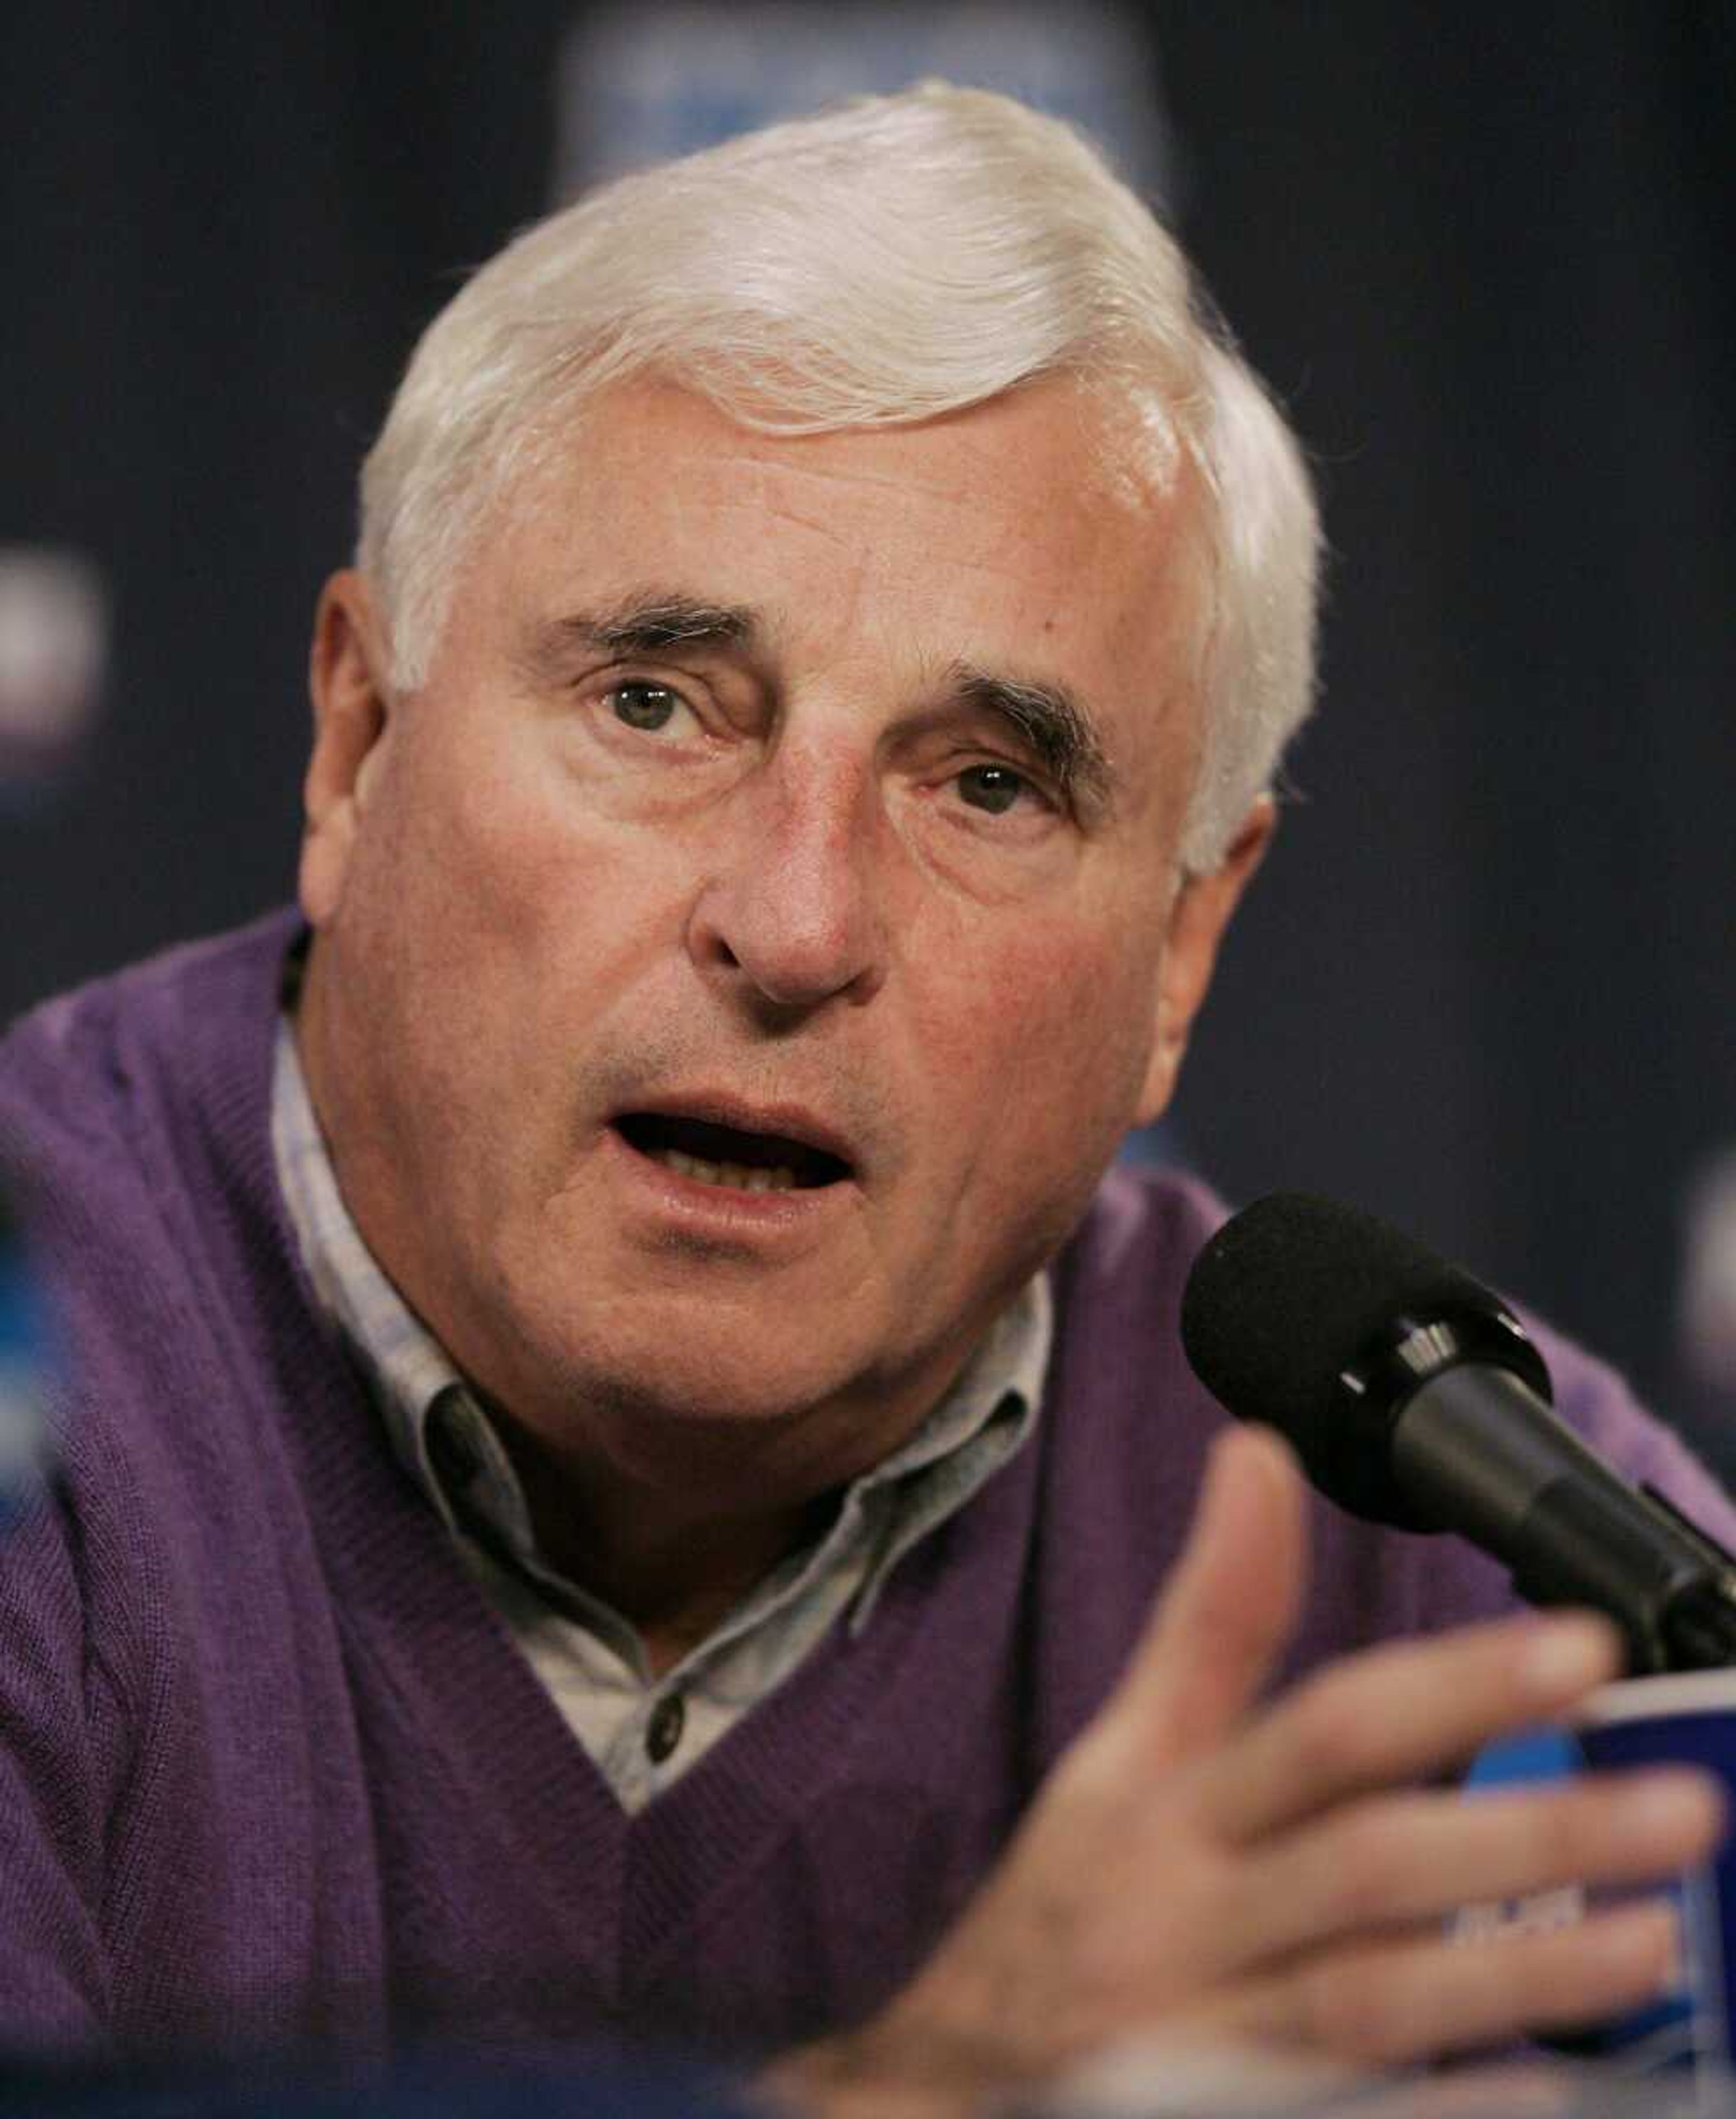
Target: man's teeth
{"points": [[735, 1174]]}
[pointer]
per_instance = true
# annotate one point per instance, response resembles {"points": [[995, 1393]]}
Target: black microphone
{"points": [[1414, 1396]]}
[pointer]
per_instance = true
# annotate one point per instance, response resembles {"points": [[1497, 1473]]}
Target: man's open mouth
{"points": [[728, 1155]]}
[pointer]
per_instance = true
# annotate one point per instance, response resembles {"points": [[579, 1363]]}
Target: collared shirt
{"points": [[642, 1730]]}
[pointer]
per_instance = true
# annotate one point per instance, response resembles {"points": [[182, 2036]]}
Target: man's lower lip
{"points": [[695, 1197]]}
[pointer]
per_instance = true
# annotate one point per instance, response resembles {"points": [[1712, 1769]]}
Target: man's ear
{"points": [[348, 678], [1197, 918]]}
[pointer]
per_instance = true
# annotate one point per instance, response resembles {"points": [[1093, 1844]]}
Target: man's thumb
{"points": [[1229, 1605]]}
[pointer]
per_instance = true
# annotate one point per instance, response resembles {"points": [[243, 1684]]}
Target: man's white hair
{"points": [[895, 259]]}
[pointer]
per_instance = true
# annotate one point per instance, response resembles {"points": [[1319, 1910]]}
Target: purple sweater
{"points": [[270, 1768]]}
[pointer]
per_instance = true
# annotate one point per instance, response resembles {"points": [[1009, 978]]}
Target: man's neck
{"points": [[675, 1573]]}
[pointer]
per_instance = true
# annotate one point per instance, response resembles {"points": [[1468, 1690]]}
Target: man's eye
{"points": [[643, 706], [994, 788]]}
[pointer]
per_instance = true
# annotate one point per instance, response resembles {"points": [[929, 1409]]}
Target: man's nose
{"points": [[792, 910]]}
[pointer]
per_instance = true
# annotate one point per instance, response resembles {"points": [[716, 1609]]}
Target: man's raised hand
{"points": [[1283, 1876]]}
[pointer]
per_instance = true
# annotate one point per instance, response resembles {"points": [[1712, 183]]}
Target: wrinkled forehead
{"points": [[1116, 440]]}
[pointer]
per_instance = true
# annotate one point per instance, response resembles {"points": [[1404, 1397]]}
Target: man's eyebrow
{"points": [[1055, 726], [651, 624]]}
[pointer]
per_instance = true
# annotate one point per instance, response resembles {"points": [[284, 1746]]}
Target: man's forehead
{"points": [[1118, 446], [1051, 467]]}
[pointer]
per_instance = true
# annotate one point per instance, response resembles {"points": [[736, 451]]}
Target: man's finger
{"points": [[1228, 1608], [1403, 1712], [1398, 1860], [1394, 2000]]}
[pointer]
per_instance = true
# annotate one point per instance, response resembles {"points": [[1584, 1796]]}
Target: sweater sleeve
{"points": [[54, 1976]]}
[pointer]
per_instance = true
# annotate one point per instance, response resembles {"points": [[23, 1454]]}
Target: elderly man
{"points": [[622, 1445]]}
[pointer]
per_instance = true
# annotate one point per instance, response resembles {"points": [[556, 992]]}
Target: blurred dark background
{"points": [[1489, 257]]}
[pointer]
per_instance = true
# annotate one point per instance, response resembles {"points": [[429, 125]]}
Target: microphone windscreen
{"points": [[1288, 1294]]}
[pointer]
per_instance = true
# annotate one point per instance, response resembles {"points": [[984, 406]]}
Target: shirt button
{"points": [[663, 1731], [452, 1447]]}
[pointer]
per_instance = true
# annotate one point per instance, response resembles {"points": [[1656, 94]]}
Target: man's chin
{"points": [[720, 1406]]}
